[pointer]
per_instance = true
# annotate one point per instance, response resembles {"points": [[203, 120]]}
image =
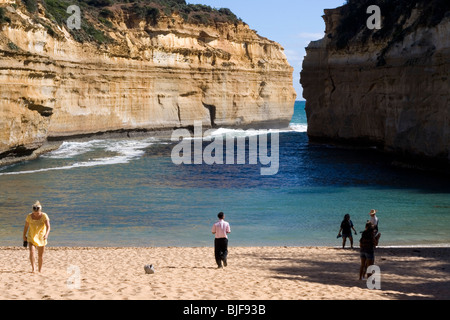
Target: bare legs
{"points": [[362, 268], [365, 263], [33, 259], [344, 240]]}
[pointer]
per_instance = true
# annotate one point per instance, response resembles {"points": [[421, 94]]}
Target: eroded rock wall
{"points": [[390, 93], [150, 77]]}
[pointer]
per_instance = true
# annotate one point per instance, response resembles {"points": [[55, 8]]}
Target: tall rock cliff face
{"points": [[389, 87], [149, 75]]}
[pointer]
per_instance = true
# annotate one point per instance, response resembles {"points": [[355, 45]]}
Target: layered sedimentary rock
{"points": [[385, 88], [149, 76]]}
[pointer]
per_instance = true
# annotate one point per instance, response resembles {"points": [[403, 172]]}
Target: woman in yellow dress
{"points": [[37, 224]]}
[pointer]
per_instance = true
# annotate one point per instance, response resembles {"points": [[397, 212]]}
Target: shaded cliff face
{"points": [[389, 87], [133, 74]]}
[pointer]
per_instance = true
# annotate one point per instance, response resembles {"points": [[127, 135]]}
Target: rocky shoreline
{"points": [[151, 75]]}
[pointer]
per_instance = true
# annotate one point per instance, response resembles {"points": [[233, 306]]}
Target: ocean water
{"points": [[128, 192]]}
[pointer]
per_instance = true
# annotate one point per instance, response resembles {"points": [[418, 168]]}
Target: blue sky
{"points": [[292, 23]]}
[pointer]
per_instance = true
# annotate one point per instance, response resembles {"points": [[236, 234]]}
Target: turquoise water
{"points": [[128, 192]]}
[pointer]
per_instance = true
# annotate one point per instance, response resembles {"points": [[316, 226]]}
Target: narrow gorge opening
{"points": [[212, 114]]}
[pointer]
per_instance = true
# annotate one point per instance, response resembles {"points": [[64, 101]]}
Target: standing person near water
{"points": [[35, 234], [374, 221], [346, 229], [220, 230]]}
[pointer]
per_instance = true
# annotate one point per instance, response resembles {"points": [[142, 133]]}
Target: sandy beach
{"points": [[259, 273]]}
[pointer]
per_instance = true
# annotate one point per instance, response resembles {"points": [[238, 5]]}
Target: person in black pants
{"points": [[221, 229]]}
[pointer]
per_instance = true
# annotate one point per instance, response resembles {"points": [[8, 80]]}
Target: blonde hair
{"points": [[38, 205]]}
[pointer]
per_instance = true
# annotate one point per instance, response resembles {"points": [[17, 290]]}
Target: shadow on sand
{"points": [[406, 273]]}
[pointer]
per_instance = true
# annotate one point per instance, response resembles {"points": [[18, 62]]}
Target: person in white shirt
{"points": [[374, 221], [221, 229]]}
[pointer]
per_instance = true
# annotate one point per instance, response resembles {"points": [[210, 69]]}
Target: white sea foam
{"points": [[125, 150], [70, 149], [299, 127], [238, 133], [129, 150], [90, 163]]}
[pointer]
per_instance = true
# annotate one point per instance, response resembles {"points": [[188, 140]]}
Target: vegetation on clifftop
{"points": [[98, 15], [3, 17], [394, 15]]}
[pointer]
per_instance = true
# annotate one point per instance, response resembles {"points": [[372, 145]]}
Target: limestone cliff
{"points": [[125, 72], [387, 88]]}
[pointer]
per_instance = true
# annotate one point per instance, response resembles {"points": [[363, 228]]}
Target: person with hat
{"points": [[374, 221]]}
